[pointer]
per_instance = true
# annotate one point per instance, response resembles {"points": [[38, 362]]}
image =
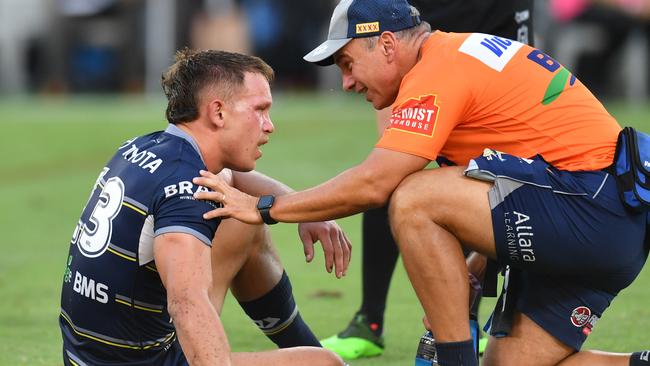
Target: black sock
{"points": [[277, 316], [457, 353], [640, 358], [380, 255]]}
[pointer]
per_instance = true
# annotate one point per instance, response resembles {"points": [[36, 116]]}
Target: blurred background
{"points": [[78, 77], [123, 46], [53, 47]]}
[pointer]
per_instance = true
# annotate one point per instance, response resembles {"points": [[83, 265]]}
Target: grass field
{"points": [[52, 151]]}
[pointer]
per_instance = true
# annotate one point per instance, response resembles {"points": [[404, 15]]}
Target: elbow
{"points": [[376, 193], [377, 198], [177, 306], [181, 304]]}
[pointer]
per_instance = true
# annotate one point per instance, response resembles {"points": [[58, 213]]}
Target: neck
{"points": [[415, 53], [420, 42], [205, 139]]}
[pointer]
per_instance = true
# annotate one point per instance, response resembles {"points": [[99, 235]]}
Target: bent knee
{"points": [[325, 357], [408, 196], [424, 191], [333, 359], [261, 240]]}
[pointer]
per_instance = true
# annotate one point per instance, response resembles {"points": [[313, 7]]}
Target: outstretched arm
{"points": [[357, 189], [336, 245], [258, 184], [183, 263]]}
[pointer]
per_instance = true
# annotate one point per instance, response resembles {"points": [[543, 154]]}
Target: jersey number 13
{"points": [[94, 236]]}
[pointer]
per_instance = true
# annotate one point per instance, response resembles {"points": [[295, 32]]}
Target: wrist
{"points": [[264, 205]]}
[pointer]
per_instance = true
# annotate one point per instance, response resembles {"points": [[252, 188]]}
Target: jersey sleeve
{"points": [[430, 103], [178, 211]]}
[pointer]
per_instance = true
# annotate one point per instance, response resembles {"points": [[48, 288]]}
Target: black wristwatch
{"points": [[264, 207]]}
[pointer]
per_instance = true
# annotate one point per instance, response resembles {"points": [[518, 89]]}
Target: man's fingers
{"points": [[308, 247], [328, 250], [236, 204], [344, 251], [211, 196], [216, 213], [211, 181], [347, 252], [338, 253], [309, 251], [207, 174], [307, 240]]}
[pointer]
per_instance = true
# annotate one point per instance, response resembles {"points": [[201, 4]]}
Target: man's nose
{"points": [[268, 126], [347, 82]]}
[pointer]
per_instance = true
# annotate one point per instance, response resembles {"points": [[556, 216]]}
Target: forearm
{"points": [[258, 184], [184, 265], [199, 330], [357, 189], [350, 192]]}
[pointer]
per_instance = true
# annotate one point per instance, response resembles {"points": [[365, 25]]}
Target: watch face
{"points": [[265, 202]]}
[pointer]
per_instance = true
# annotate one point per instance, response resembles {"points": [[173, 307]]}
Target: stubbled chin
{"points": [[371, 100], [381, 104], [378, 105]]}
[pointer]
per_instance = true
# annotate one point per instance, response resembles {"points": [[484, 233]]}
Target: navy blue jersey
{"points": [[113, 303]]}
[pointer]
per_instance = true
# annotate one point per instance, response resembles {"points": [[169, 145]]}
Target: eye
{"points": [[262, 108]]}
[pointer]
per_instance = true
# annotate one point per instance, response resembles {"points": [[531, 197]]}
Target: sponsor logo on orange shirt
{"points": [[416, 115]]}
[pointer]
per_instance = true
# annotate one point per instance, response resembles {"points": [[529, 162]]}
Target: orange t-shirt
{"points": [[472, 91]]}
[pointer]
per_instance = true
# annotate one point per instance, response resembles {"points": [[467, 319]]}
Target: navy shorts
{"points": [[572, 240], [172, 355]]}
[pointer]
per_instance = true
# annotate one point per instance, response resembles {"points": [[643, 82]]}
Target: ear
{"points": [[388, 45], [216, 112]]}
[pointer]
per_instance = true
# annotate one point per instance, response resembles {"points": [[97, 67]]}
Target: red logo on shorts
{"points": [[416, 115], [580, 316]]}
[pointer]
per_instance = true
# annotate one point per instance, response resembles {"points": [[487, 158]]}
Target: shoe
{"points": [[356, 341]]}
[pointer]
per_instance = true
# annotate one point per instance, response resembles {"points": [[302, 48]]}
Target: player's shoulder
{"points": [[148, 163], [161, 153]]}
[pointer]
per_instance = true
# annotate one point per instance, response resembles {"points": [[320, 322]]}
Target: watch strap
{"points": [[264, 205]]}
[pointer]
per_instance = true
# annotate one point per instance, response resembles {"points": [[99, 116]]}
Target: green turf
{"points": [[53, 149]]}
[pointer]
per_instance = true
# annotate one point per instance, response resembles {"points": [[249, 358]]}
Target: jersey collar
{"points": [[174, 130]]}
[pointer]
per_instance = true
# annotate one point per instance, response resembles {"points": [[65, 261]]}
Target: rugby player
{"points": [[363, 337], [140, 286], [531, 189]]}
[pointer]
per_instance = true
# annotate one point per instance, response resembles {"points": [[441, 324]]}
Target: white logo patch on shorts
{"points": [[493, 51]]}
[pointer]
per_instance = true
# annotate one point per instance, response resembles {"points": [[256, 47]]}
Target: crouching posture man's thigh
{"points": [[431, 213], [243, 259], [449, 199], [527, 344]]}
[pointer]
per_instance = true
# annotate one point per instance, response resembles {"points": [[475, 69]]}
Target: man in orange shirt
{"points": [[556, 221], [363, 336]]}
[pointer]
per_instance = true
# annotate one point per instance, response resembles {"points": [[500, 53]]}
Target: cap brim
{"points": [[322, 55]]}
